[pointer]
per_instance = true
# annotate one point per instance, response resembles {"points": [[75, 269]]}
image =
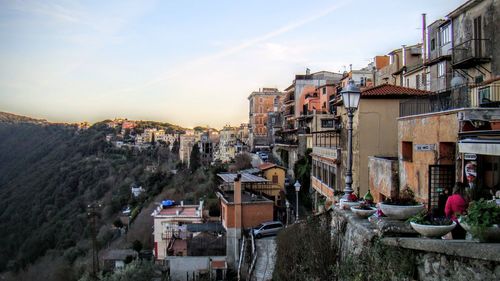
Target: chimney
{"points": [[403, 54], [308, 71], [424, 39], [237, 202], [182, 203]]}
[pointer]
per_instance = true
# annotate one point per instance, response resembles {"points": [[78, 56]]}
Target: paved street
{"points": [[266, 259]]}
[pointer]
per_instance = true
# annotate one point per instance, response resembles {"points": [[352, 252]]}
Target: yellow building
{"points": [[274, 173]]}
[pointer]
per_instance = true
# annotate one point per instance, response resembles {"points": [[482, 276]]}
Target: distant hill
{"points": [[49, 173], [13, 118]]}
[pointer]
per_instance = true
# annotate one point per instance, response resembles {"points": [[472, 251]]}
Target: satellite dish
{"points": [[457, 81]]}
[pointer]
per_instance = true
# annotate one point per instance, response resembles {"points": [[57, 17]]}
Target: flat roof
{"points": [[229, 177], [178, 211], [246, 197]]}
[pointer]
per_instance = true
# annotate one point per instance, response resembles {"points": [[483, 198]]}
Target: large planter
{"points": [[400, 212], [432, 230], [363, 213], [346, 205], [489, 234]]}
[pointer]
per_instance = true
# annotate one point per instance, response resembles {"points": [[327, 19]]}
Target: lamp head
{"points": [[351, 95], [297, 186]]}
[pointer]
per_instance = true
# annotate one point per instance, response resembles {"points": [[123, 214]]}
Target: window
{"points": [[441, 69], [433, 44], [275, 179], [407, 82], [327, 123], [445, 35], [323, 91], [407, 151], [484, 95]]}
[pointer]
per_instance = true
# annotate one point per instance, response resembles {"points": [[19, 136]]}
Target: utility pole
{"points": [[92, 215]]}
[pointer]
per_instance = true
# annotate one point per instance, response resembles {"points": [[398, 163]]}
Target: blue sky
{"points": [[186, 62]]}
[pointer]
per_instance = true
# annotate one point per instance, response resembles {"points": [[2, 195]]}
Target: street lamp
{"points": [[287, 204], [297, 189], [350, 97]]}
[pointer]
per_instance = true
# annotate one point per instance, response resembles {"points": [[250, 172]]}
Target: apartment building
{"points": [[261, 103]]}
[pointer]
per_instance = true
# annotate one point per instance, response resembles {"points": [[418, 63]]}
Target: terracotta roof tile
{"points": [[387, 90]]}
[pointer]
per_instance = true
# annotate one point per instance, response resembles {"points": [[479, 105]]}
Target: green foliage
{"points": [[50, 173], [308, 251], [302, 171], [305, 252], [134, 271], [137, 246], [426, 219], [194, 158], [480, 215], [405, 197]]}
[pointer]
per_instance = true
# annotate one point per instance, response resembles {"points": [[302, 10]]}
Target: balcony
{"points": [[328, 139], [471, 53], [287, 138], [289, 112]]}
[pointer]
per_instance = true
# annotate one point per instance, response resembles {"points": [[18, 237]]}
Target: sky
{"points": [[185, 62]]}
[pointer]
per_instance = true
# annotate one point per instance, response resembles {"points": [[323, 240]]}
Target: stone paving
{"points": [[266, 259]]}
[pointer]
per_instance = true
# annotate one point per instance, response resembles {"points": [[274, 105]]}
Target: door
{"points": [[441, 181]]}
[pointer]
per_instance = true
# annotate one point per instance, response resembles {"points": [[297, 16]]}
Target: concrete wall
{"points": [[383, 177], [181, 267], [375, 133], [424, 129]]}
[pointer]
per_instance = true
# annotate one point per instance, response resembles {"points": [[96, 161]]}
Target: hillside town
{"points": [[420, 121], [390, 171]]}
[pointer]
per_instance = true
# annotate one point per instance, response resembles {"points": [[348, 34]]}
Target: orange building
{"points": [[261, 103], [239, 210]]}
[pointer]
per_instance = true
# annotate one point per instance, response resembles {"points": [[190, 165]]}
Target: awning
{"points": [[480, 146]]}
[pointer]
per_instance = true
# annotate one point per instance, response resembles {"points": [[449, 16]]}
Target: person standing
{"points": [[456, 205]]}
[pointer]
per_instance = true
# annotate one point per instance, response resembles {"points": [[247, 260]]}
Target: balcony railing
{"points": [[440, 84], [330, 138], [451, 98], [287, 138], [471, 52]]}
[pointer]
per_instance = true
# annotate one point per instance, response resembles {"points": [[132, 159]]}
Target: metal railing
{"points": [[471, 50], [465, 96], [330, 138]]}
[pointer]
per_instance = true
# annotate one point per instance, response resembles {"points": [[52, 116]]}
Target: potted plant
{"points": [[429, 226], [352, 200], [403, 206], [364, 209], [482, 220]]}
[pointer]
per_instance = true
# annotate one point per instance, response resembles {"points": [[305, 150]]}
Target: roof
{"points": [[250, 171], [209, 226], [218, 264], [267, 166], [119, 254], [229, 178], [392, 91], [180, 211]]}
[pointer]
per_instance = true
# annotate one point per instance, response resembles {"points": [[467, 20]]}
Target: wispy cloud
{"points": [[188, 66]]}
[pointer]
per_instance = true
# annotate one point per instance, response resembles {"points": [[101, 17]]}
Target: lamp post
{"points": [[297, 189], [350, 97], [287, 211]]}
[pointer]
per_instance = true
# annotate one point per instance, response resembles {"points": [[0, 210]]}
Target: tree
{"points": [[175, 147], [241, 161], [194, 158], [137, 246]]}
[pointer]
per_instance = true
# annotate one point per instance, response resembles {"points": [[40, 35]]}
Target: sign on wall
{"points": [[425, 147]]}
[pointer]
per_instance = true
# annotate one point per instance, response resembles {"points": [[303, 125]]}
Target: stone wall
{"points": [[432, 259]]}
